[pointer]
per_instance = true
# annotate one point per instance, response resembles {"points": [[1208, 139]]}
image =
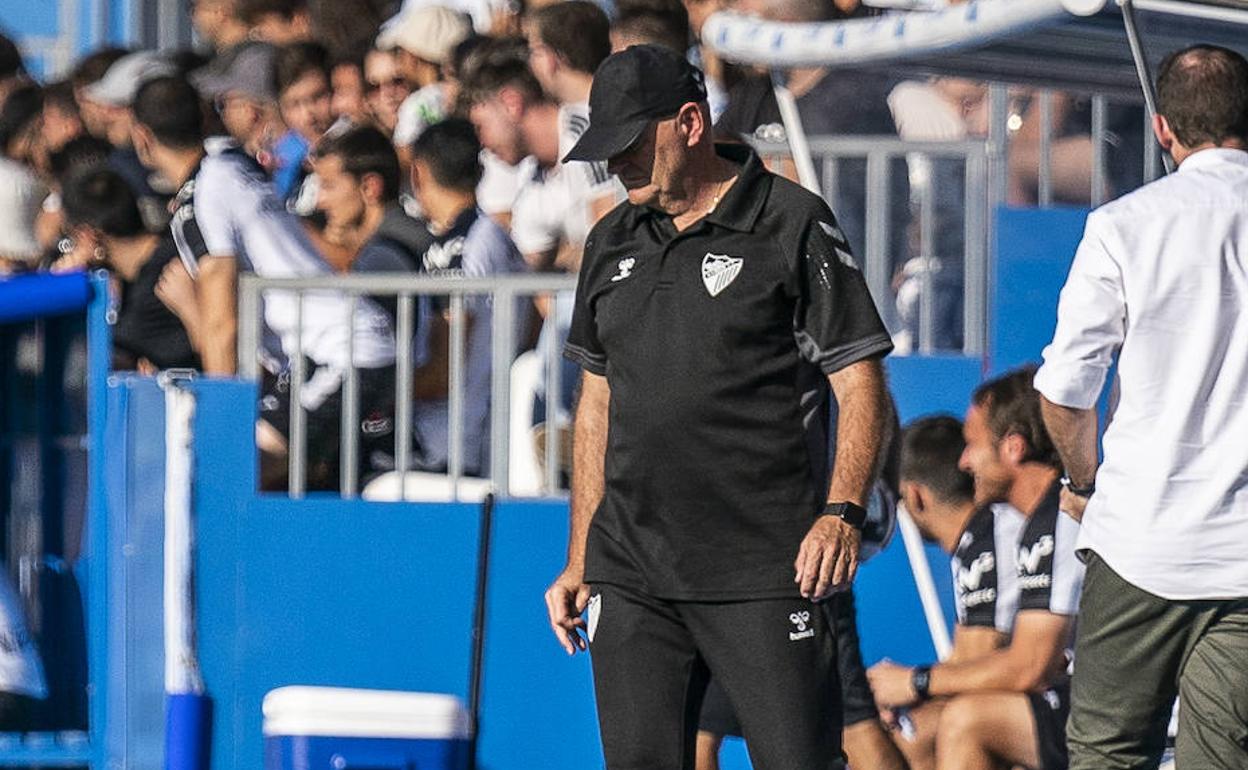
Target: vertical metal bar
{"points": [[996, 181], [248, 326], [105, 573], [998, 143], [1100, 119], [795, 133], [931, 260], [1151, 150], [1142, 70], [553, 399], [831, 179], [350, 439], [975, 257], [500, 390], [297, 443], [403, 390], [877, 226], [1044, 184], [455, 395]]}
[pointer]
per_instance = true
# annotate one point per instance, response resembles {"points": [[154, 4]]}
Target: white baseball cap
{"points": [[124, 78], [430, 32]]}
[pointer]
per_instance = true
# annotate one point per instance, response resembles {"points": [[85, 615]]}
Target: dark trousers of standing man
{"points": [[1134, 652], [775, 658]]}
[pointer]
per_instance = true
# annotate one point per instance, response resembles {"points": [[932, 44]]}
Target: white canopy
{"points": [[1074, 44]]}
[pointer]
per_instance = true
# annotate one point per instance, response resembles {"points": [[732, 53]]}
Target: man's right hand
{"points": [[565, 601]]}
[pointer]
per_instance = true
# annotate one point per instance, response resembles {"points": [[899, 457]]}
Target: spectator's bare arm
{"points": [[218, 299]]}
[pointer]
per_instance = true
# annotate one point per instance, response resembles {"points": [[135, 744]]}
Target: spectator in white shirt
{"points": [[226, 220], [567, 42], [1159, 283], [424, 40]]}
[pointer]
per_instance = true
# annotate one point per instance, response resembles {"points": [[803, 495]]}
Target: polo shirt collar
{"points": [[1214, 156], [744, 201]]}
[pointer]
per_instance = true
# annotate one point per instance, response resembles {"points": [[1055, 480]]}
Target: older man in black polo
{"points": [[716, 310]]}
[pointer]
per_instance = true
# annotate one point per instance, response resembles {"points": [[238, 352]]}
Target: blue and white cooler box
{"points": [[331, 728]]}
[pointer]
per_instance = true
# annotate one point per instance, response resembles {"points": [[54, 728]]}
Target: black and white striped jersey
{"points": [[1050, 574], [985, 572], [228, 208]]}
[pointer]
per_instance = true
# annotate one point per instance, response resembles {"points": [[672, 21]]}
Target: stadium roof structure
{"points": [[1075, 45]]}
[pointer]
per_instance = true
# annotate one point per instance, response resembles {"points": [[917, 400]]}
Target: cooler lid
{"points": [[350, 713]]}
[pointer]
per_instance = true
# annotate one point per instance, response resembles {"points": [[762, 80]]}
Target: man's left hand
{"points": [[891, 685], [828, 558]]}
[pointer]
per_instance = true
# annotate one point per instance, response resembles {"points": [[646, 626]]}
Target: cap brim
{"points": [[107, 92], [602, 142], [210, 84]]}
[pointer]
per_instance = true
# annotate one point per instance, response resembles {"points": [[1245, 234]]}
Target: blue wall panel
{"points": [[1034, 251], [348, 593]]}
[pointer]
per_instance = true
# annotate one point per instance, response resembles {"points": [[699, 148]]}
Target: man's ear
{"points": [[915, 498], [373, 186], [1013, 449], [143, 140], [512, 101], [1163, 132], [415, 174], [691, 123]]}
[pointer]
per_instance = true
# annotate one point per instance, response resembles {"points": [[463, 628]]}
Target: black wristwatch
{"points": [[1078, 491], [921, 681], [854, 515]]}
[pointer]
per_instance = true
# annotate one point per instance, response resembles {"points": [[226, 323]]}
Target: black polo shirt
{"points": [[716, 343]]}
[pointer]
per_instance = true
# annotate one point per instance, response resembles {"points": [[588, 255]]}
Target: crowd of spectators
{"points": [[307, 138]]}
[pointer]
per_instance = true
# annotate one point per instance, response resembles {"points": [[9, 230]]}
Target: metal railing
{"points": [[503, 292], [884, 158]]}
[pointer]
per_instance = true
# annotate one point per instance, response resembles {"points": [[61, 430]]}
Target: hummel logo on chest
{"points": [[626, 269]]}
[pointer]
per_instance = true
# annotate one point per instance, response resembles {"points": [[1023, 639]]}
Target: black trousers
{"points": [[653, 658]]}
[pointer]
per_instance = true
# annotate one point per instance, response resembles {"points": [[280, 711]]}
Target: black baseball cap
{"points": [[631, 88]]}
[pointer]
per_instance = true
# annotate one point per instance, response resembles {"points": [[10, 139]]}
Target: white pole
{"points": [[182, 673], [922, 570]]}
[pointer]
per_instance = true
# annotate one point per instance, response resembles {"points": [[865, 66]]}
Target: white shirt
{"points": [[230, 209], [555, 205], [21, 671], [21, 197], [1161, 278]]}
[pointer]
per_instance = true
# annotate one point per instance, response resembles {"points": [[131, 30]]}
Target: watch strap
{"points": [[850, 513]]}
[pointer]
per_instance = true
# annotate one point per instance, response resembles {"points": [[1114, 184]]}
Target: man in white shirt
{"points": [[227, 219], [1160, 280], [567, 42]]}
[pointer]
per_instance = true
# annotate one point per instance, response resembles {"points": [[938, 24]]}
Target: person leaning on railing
{"points": [[228, 219]]}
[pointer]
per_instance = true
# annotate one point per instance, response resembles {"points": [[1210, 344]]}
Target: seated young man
{"points": [[1009, 706], [981, 542]]}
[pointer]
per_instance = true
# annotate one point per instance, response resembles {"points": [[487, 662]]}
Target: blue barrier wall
{"points": [[1034, 251], [348, 593]]}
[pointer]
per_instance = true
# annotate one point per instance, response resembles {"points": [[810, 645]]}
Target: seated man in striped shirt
{"points": [[1007, 705]]}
